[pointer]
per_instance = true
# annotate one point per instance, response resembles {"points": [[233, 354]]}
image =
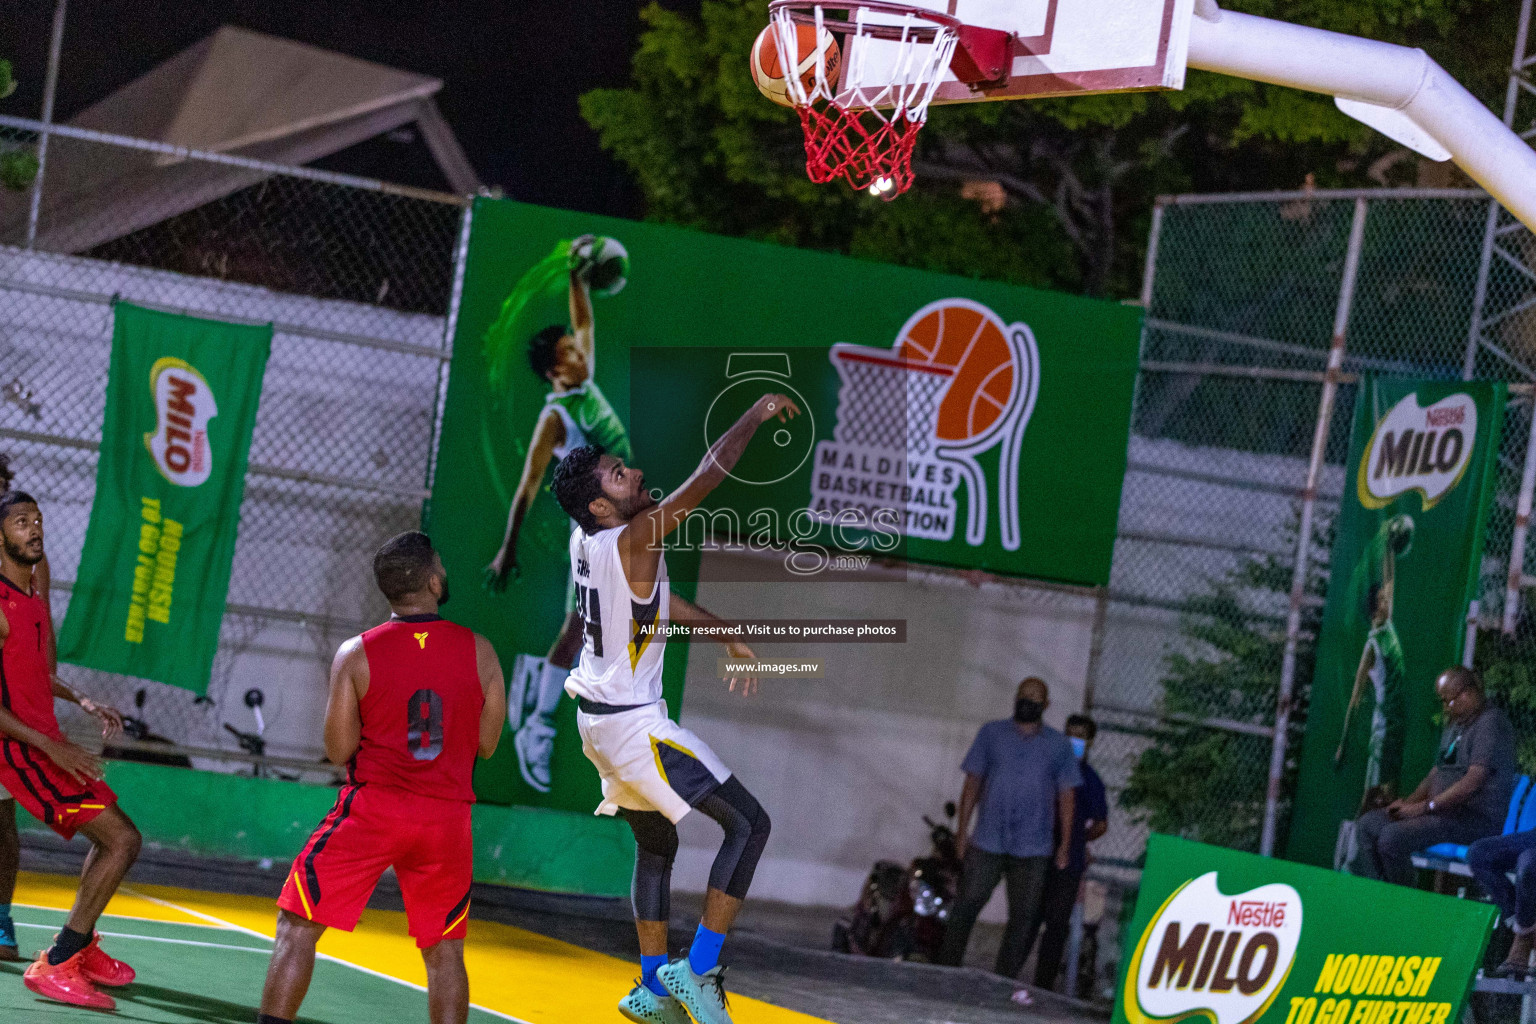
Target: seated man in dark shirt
{"points": [[1464, 797]]}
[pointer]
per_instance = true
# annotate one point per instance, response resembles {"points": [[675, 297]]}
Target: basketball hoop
{"points": [[862, 127]]}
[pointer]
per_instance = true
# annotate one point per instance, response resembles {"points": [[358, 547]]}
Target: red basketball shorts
{"points": [[49, 795], [427, 841]]}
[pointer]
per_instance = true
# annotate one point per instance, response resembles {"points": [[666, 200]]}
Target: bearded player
{"points": [[58, 782], [654, 771], [576, 413], [412, 702]]}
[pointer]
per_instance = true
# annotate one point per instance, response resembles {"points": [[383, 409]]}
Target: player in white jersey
{"points": [[653, 770]]}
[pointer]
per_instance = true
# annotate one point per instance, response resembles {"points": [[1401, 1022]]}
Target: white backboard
{"points": [[1069, 46]]}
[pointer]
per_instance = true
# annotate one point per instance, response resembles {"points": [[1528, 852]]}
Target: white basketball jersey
{"points": [[620, 658]]}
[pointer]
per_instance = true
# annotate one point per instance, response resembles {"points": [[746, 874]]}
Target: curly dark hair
{"points": [[576, 485], [541, 349]]}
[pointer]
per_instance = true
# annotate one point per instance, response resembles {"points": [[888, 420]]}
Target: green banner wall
{"points": [[1408, 541], [1238, 939], [181, 403], [1016, 470]]}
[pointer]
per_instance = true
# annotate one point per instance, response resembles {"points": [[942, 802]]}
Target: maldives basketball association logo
{"points": [[914, 420]]}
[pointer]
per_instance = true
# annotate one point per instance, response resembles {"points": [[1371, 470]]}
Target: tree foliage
{"points": [[1508, 668], [1079, 175], [1209, 783], [18, 166]]}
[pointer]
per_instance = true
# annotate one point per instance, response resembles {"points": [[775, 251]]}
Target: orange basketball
{"points": [[768, 69], [972, 341]]}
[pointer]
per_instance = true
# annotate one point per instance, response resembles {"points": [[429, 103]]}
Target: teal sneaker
{"points": [[703, 994], [645, 1007], [8, 951]]}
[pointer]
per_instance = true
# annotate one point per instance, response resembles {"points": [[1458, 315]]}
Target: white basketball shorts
{"points": [[648, 762]]}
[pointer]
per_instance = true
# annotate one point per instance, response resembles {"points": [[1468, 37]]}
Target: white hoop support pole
{"points": [[1399, 78]]}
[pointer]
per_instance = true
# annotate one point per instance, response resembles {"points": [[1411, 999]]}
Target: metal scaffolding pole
{"points": [[50, 87], [1283, 705], [1518, 63]]}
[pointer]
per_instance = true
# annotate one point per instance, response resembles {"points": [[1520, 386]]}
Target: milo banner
{"points": [[1408, 540], [181, 402], [945, 420], [1239, 939]]}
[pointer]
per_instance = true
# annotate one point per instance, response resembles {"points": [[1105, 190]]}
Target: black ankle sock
{"points": [[267, 1018], [67, 945]]}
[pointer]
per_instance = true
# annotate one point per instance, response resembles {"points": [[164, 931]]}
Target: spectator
{"points": [[1021, 774], [1464, 797], [1090, 820], [1491, 861]]}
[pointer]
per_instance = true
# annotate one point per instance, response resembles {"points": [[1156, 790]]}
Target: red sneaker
{"points": [[101, 969], [65, 983]]}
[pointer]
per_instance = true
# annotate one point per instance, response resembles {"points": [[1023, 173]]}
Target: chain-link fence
{"points": [[1244, 297], [357, 277]]}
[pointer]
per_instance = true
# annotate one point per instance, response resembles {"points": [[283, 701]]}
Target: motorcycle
{"points": [[902, 911], [136, 728]]}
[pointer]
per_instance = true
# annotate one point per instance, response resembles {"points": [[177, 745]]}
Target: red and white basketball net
{"points": [[863, 127]]}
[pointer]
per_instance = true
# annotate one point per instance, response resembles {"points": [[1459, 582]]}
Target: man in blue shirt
{"points": [[1090, 821], [1022, 775]]}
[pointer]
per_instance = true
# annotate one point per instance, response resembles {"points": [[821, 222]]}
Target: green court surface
{"points": [[200, 974]]}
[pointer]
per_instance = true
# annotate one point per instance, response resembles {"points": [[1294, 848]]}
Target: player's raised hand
{"points": [[741, 652], [75, 761], [111, 719], [781, 406]]}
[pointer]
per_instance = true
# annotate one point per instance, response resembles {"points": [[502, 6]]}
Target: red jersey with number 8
{"points": [[421, 717]]}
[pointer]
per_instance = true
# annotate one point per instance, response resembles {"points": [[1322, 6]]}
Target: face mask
{"points": [[1079, 746], [1027, 711]]}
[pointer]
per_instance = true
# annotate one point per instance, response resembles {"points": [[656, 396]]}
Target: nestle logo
{"points": [[1254, 914], [1450, 416]]}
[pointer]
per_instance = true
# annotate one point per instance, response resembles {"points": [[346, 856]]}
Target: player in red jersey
{"points": [[412, 702], [57, 781], [10, 840]]}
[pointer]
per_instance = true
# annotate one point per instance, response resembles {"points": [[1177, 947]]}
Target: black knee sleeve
{"points": [[655, 850], [746, 828]]}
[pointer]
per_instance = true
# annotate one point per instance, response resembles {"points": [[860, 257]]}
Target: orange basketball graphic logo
{"points": [[913, 419]]}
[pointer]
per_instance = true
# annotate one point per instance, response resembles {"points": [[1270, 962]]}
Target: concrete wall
{"points": [[847, 765]]}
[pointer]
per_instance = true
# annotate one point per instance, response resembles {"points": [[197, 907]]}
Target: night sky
{"points": [[512, 71]]}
